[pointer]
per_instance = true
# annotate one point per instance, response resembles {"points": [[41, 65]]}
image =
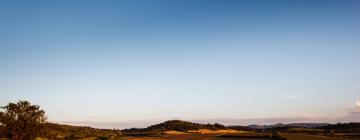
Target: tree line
{"points": [[24, 121]]}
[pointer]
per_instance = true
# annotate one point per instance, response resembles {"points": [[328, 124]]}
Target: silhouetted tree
{"points": [[21, 120]]}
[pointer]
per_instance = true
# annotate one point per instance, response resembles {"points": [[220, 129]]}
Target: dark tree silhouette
{"points": [[21, 120]]}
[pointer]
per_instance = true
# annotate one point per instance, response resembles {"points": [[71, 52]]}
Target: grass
{"points": [[299, 136], [231, 135]]}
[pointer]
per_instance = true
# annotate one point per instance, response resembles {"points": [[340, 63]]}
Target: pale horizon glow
{"points": [[118, 62]]}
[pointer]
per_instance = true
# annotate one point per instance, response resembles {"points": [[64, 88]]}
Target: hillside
{"points": [[290, 125], [59, 131], [179, 125], [342, 127], [171, 127]]}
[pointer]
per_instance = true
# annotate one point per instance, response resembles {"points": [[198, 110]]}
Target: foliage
{"points": [[183, 126], [241, 128], [176, 125], [58, 131], [22, 120], [343, 127]]}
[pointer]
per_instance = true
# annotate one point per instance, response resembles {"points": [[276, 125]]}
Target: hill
{"points": [[290, 125], [353, 126], [171, 125], [59, 131]]}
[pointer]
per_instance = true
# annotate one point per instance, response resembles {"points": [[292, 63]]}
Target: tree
{"points": [[21, 120]]}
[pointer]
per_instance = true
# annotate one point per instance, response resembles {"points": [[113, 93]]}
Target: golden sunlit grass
{"points": [[174, 132], [207, 131], [144, 138]]}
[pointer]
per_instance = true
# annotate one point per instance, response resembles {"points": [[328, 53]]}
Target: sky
{"points": [[131, 63]]}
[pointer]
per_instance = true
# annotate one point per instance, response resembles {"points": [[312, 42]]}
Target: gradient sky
{"points": [[144, 60]]}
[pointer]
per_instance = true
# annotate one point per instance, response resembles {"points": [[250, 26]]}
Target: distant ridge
{"points": [[179, 125], [290, 125], [171, 125]]}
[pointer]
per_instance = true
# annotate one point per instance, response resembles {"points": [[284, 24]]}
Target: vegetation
{"points": [[343, 127], [22, 120], [183, 126], [58, 131], [241, 128], [176, 125]]}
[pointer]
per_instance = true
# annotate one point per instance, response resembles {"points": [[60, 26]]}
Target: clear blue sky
{"points": [[121, 61]]}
